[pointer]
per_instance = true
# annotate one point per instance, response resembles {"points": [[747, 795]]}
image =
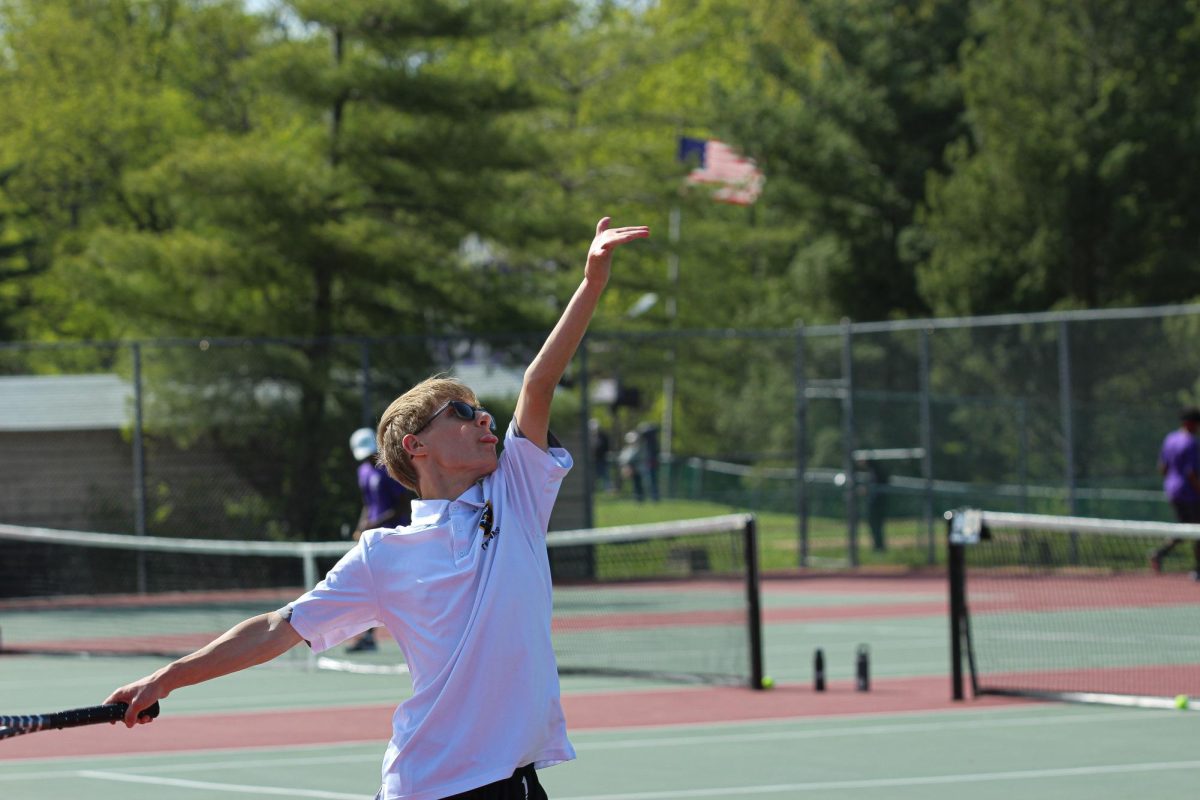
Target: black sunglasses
{"points": [[463, 410]]}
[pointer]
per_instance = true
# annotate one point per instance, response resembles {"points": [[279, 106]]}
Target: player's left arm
{"points": [[543, 374]]}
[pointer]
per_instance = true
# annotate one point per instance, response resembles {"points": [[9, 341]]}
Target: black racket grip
{"points": [[112, 712]]}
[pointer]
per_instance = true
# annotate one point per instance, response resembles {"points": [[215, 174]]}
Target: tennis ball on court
{"points": [[768, 682], [1181, 701]]}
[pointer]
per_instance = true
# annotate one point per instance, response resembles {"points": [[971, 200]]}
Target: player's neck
{"points": [[448, 486]]}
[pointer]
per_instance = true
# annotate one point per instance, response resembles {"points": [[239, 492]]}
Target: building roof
{"points": [[105, 401], [64, 402], [488, 379]]}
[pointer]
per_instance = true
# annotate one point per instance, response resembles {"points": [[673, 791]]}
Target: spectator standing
{"points": [[385, 503], [1179, 464]]}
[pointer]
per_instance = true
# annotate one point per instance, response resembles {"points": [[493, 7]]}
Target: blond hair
{"points": [[409, 412]]}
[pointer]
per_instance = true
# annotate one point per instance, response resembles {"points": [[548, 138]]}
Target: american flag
{"points": [[738, 180]]}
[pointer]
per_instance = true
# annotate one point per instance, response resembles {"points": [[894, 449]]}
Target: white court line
{"points": [[281, 791], [646, 742], [880, 783], [872, 730], [983, 716], [373, 758], [297, 754]]}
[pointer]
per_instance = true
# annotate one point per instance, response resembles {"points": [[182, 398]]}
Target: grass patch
{"points": [[778, 533]]}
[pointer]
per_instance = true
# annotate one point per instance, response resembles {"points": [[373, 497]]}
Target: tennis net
{"points": [[676, 601], [1072, 608]]}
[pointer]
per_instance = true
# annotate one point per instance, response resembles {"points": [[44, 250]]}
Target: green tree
{"points": [[1073, 186], [82, 85], [187, 169], [848, 120]]}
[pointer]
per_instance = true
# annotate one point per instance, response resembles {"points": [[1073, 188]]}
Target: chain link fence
{"points": [[888, 423]]}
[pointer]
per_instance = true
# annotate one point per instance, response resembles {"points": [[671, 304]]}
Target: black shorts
{"points": [[523, 785], [1185, 511]]}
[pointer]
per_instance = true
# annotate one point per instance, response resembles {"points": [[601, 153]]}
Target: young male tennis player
{"points": [[464, 588]]}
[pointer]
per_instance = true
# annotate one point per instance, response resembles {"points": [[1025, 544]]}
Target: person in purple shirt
{"points": [[1179, 464], [386, 503]]}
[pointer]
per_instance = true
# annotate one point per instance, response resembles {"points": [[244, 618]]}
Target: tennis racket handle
{"points": [[112, 712]]}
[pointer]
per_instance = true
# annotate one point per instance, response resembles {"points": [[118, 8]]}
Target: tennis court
{"points": [[285, 732]]}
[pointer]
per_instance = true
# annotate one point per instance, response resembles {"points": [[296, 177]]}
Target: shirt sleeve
{"points": [[534, 476], [341, 606]]}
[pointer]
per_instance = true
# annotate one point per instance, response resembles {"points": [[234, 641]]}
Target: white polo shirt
{"points": [[472, 614]]}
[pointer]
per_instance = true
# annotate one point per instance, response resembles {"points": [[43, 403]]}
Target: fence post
{"points": [[923, 361], [801, 447], [1064, 399], [848, 467], [139, 465], [1023, 451]]}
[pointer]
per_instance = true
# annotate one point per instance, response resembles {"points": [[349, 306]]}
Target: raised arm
{"points": [[542, 375], [254, 641]]}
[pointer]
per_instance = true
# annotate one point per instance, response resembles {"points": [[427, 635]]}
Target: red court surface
{"points": [[590, 711]]}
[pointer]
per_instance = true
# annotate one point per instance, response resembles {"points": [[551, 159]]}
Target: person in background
{"points": [[1179, 464], [601, 450], [385, 503], [651, 452], [876, 503], [630, 461]]}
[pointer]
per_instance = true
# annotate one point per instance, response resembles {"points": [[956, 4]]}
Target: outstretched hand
{"points": [[140, 695], [599, 259]]}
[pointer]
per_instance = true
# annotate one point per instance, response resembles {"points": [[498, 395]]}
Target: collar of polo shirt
{"points": [[430, 512]]}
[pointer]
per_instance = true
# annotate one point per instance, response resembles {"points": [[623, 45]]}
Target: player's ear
{"points": [[411, 444]]}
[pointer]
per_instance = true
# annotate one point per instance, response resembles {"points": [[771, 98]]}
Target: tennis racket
{"points": [[19, 724]]}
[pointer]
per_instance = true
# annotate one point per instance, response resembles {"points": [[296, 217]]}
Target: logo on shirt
{"points": [[485, 525]]}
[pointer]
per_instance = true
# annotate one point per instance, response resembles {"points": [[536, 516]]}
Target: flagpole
{"points": [[740, 183], [668, 414]]}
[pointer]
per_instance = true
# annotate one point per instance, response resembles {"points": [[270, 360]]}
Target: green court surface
{"points": [[846, 749], [1021, 751]]}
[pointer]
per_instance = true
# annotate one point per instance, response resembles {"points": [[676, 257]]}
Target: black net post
{"points": [[753, 606], [958, 604]]}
